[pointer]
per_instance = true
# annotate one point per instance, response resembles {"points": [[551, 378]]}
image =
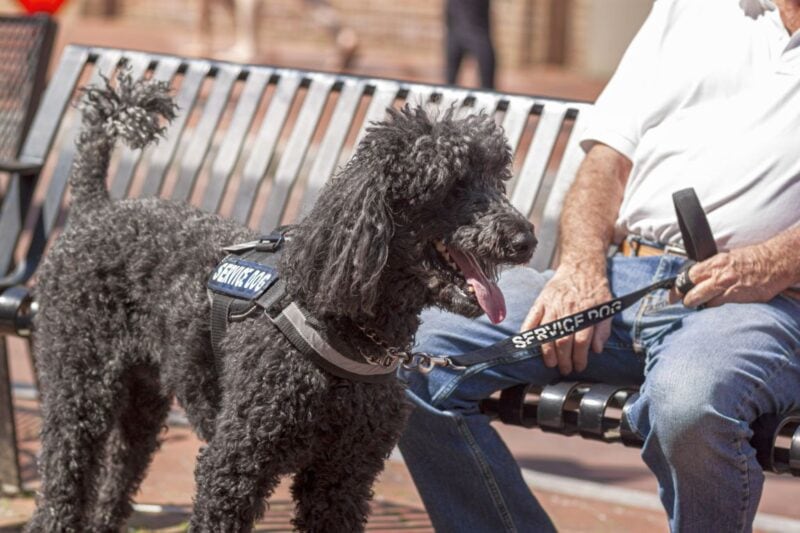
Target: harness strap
{"points": [[293, 323], [272, 298], [220, 306]]}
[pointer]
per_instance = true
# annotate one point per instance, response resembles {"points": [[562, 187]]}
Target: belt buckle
{"points": [[675, 250]]}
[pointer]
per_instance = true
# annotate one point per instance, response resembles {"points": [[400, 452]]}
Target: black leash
{"points": [[699, 244]]}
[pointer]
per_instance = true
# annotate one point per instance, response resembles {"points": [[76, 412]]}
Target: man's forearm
{"points": [[591, 208]]}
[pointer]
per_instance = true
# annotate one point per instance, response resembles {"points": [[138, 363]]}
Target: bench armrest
{"points": [[14, 166], [16, 311]]}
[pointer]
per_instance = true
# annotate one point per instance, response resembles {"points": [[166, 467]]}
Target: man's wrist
{"points": [[588, 268]]}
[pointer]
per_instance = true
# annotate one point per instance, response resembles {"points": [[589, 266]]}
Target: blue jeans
{"points": [[705, 376]]}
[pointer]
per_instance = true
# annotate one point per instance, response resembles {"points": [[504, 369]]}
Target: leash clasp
{"points": [[425, 363]]}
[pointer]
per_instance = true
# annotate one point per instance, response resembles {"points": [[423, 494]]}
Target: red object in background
{"points": [[38, 6]]}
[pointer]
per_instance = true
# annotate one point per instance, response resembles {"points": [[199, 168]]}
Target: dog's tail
{"points": [[131, 111]]}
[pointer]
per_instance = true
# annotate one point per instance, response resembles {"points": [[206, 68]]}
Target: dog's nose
{"points": [[523, 244]]}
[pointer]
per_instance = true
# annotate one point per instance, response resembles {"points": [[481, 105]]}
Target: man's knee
{"points": [[690, 415]]}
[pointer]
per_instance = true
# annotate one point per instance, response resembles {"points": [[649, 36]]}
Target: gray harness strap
{"points": [[293, 322]]}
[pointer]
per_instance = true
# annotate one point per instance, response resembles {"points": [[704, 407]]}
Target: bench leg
{"points": [[9, 464]]}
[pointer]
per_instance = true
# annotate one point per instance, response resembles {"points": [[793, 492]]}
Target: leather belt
{"points": [[633, 247]]}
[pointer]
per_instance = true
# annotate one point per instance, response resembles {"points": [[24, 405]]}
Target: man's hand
{"points": [[587, 227], [743, 275], [569, 291]]}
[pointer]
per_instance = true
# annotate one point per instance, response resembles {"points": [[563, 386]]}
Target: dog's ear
{"points": [[344, 243]]}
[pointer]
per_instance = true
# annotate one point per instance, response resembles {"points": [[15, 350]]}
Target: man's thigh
{"points": [[737, 361], [444, 333]]}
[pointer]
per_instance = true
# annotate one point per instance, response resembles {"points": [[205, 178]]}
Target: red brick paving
{"points": [[396, 508]]}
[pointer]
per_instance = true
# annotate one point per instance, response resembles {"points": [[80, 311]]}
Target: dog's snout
{"points": [[523, 243]]}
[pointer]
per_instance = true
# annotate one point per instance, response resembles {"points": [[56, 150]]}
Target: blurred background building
{"points": [[402, 38]]}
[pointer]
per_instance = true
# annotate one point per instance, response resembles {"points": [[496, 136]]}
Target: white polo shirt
{"points": [[707, 96]]}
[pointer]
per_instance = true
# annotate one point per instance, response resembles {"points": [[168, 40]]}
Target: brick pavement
{"points": [[165, 496]]}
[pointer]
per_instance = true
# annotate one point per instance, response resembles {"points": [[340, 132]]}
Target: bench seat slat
{"points": [[232, 145], [296, 148], [203, 135], [163, 153], [265, 143]]}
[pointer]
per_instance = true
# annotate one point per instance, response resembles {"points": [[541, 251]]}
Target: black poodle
{"points": [[418, 217]]}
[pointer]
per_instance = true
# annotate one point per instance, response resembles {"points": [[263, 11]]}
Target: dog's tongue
{"points": [[489, 295]]}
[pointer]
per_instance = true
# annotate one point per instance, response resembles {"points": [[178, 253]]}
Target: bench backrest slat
{"points": [[129, 160], [330, 148], [163, 153], [516, 118], [384, 95], [195, 154], [548, 228], [530, 178], [105, 66], [234, 140], [292, 159], [420, 95], [447, 98], [265, 144], [486, 103]]}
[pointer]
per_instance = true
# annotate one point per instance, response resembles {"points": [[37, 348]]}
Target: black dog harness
{"points": [[247, 281]]}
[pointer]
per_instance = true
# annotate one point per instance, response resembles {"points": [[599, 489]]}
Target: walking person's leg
{"points": [[454, 52], [478, 41]]}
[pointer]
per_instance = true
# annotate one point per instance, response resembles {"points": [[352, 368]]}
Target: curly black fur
{"points": [[124, 322]]}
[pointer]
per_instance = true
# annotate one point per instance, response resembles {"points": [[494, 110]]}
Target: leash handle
{"points": [[695, 229]]}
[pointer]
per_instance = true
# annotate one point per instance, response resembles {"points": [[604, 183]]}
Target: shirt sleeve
{"points": [[615, 119]]}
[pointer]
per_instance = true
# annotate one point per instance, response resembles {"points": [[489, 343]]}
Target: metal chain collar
{"points": [[417, 361]]}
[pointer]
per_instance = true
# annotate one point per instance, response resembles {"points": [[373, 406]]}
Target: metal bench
{"points": [[256, 143], [25, 47]]}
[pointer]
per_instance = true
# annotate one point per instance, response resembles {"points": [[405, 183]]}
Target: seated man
{"points": [[707, 96]]}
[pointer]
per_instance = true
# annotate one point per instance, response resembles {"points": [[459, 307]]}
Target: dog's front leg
{"points": [[332, 492], [262, 430]]}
